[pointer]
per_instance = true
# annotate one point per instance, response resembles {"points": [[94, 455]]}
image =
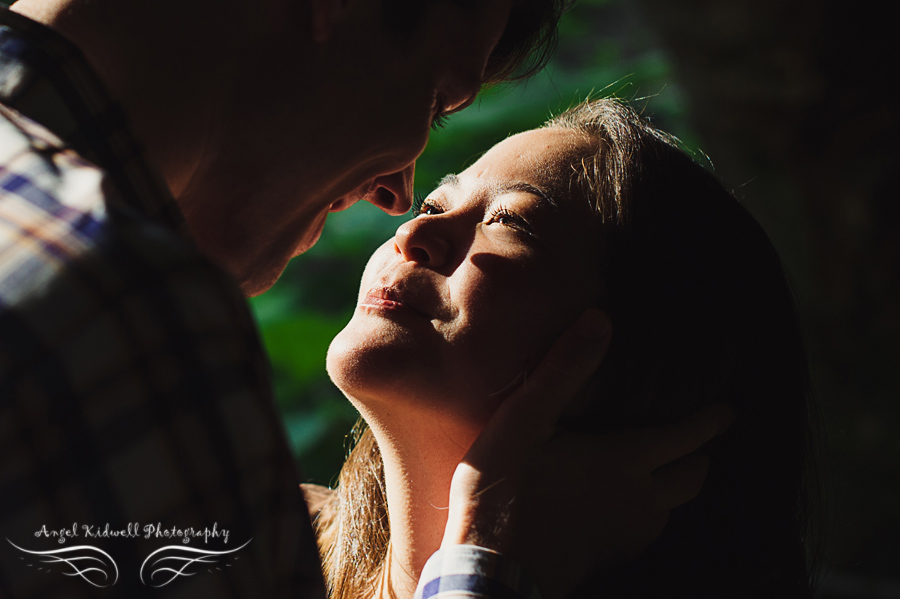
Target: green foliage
{"points": [[603, 51]]}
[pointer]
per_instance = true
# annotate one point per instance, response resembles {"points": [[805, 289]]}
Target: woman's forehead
{"points": [[544, 157], [542, 162]]}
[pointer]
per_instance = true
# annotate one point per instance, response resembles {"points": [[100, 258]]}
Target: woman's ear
{"points": [[326, 15]]}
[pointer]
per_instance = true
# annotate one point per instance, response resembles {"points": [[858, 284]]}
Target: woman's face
{"points": [[468, 295]]}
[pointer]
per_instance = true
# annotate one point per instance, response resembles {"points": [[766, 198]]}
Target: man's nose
{"points": [[393, 193]]}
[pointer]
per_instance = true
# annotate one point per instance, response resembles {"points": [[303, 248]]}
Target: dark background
{"points": [[794, 103]]}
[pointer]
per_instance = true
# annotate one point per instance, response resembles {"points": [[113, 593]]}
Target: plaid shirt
{"points": [[136, 420], [137, 424], [466, 571]]}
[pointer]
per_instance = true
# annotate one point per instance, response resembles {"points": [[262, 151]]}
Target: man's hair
{"points": [[524, 48]]}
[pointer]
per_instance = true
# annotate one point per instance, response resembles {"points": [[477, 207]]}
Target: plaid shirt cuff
{"points": [[470, 571]]}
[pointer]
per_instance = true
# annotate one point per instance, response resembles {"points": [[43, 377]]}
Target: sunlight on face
{"points": [[468, 295]]}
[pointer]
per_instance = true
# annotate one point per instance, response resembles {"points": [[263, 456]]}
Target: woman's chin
{"points": [[387, 370], [367, 365], [341, 363]]}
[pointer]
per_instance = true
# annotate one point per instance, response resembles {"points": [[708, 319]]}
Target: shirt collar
{"points": [[46, 78]]}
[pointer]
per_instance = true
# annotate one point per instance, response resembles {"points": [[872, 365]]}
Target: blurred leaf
{"points": [[298, 344]]}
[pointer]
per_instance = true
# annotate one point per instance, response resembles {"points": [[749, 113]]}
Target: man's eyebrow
{"points": [[527, 188]]}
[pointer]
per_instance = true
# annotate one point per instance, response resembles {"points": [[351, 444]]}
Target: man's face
{"points": [[348, 126]]}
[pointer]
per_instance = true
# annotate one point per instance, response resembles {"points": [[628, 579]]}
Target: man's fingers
{"points": [[565, 369], [678, 483], [669, 443]]}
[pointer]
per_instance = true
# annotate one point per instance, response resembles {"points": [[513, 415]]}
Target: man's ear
{"points": [[326, 15]]}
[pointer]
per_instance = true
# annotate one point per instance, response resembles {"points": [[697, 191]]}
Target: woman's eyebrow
{"points": [[527, 188], [453, 181]]}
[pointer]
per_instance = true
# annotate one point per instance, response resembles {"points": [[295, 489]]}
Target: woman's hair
{"points": [[702, 313], [352, 528]]}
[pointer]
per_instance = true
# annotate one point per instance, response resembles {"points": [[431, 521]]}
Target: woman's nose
{"points": [[424, 240]]}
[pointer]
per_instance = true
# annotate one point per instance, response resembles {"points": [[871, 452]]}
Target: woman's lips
{"points": [[391, 299]]}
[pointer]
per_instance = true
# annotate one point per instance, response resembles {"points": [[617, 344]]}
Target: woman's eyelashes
{"points": [[498, 215], [422, 205], [506, 217]]}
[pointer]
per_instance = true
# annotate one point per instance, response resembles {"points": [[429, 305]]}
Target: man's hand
{"points": [[560, 502]]}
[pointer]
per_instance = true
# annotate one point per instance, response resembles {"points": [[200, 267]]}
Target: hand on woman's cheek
{"points": [[561, 503]]}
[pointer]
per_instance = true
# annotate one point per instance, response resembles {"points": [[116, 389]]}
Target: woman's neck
{"points": [[419, 461]]}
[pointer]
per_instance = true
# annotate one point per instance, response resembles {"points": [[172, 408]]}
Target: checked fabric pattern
{"points": [[458, 571], [133, 387]]}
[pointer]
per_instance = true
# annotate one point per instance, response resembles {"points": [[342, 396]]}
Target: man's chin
{"points": [[263, 276], [259, 285], [311, 240], [257, 274]]}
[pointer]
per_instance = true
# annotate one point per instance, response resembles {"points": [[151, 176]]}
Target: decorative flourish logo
{"points": [[161, 567], [180, 561], [83, 561]]}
